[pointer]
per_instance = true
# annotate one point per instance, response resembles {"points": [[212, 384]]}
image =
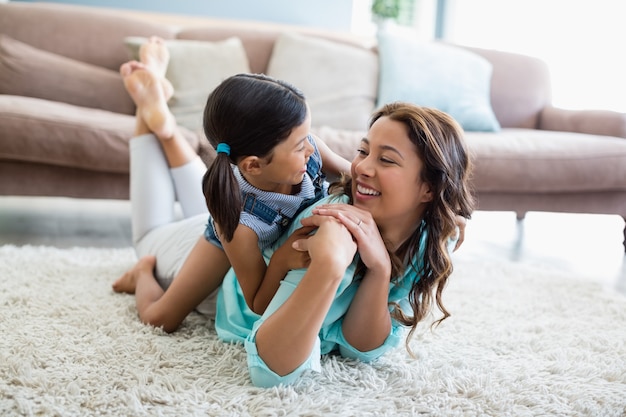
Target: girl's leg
{"points": [[198, 278], [153, 191], [146, 84]]}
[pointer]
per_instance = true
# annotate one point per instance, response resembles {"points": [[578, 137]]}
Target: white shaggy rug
{"points": [[521, 342]]}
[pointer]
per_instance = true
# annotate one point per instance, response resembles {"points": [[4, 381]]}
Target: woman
{"points": [[398, 213]]}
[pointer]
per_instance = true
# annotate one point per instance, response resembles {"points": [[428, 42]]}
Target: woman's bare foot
{"points": [[128, 282], [145, 88]]}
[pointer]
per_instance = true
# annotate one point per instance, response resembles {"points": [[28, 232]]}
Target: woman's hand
{"points": [[460, 222], [363, 228]]}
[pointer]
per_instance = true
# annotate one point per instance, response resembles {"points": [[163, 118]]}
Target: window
{"points": [[582, 41]]}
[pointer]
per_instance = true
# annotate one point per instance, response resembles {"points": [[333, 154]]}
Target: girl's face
{"points": [[386, 180], [288, 162]]}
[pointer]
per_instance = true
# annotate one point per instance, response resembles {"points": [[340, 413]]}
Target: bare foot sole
{"points": [[128, 67], [155, 55], [128, 282], [146, 90]]}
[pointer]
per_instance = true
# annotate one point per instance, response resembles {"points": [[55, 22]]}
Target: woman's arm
{"points": [[367, 324], [286, 337]]}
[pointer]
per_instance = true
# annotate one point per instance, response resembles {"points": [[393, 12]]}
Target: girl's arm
{"points": [[258, 281], [284, 259], [247, 261], [332, 163]]}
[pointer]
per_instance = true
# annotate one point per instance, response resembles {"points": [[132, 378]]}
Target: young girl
{"points": [[409, 183], [267, 169]]}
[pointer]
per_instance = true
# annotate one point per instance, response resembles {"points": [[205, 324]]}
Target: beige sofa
{"points": [[65, 119]]}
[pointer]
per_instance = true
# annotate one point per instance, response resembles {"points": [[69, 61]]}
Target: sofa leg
{"points": [[520, 215]]}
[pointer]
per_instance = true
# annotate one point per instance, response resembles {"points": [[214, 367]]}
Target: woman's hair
{"points": [[251, 113], [446, 169]]}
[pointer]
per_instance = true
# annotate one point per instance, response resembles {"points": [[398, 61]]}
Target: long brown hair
{"points": [[447, 169]]}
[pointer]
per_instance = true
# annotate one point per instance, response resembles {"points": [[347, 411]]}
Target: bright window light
{"points": [[582, 41]]}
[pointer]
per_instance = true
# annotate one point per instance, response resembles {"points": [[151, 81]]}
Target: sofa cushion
{"points": [[65, 135], [31, 72], [344, 143], [339, 80], [431, 74], [195, 69], [536, 161], [85, 33], [61, 134]]}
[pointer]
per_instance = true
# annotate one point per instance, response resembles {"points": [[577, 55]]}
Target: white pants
{"points": [[158, 228]]}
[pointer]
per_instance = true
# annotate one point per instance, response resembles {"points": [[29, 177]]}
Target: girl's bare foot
{"points": [[128, 282], [145, 88], [155, 55], [128, 67]]}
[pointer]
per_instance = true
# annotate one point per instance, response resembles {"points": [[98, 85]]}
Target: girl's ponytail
{"points": [[223, 196]]}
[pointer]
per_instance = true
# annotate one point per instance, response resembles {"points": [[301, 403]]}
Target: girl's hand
{"points": [[363, 228], [287, 257], [332, 243]]}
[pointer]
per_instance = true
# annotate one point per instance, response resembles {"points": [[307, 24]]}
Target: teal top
{"points": [[235, 322]]}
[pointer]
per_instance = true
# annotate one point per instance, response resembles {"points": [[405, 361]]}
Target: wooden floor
{"points": [[587, 245]]}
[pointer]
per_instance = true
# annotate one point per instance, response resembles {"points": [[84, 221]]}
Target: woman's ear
{"points": [[250, 165], [427, 193]]}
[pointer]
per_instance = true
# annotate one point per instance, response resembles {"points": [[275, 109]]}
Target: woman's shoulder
{"points": [[331, 199]]}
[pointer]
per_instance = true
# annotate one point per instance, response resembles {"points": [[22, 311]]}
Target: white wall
{"points": [[329, 14]]}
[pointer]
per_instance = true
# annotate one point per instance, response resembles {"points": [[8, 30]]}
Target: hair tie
{"points": [[223, 148]]}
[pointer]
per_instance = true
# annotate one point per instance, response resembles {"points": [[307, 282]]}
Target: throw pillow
{"points": [[195, 69], [31, 72], [338, 79], [436, 75]]}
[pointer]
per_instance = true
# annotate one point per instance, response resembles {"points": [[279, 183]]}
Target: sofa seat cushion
{"points": [[528, 160], [60, 134], [48, 132]]}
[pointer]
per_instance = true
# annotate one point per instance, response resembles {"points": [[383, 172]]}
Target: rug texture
{"points": [[521, 341]]}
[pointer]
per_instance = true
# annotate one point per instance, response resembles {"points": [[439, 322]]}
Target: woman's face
{"points": [[386, 180]]}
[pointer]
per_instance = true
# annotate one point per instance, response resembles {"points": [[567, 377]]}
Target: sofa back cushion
{"points": [[31, 72], [339, 81], [520, 87], [258, 39], [195, 69], [258, 43], [87, 34]]}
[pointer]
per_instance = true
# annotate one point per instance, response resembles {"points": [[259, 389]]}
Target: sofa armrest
{"points": [[595, 122]]}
